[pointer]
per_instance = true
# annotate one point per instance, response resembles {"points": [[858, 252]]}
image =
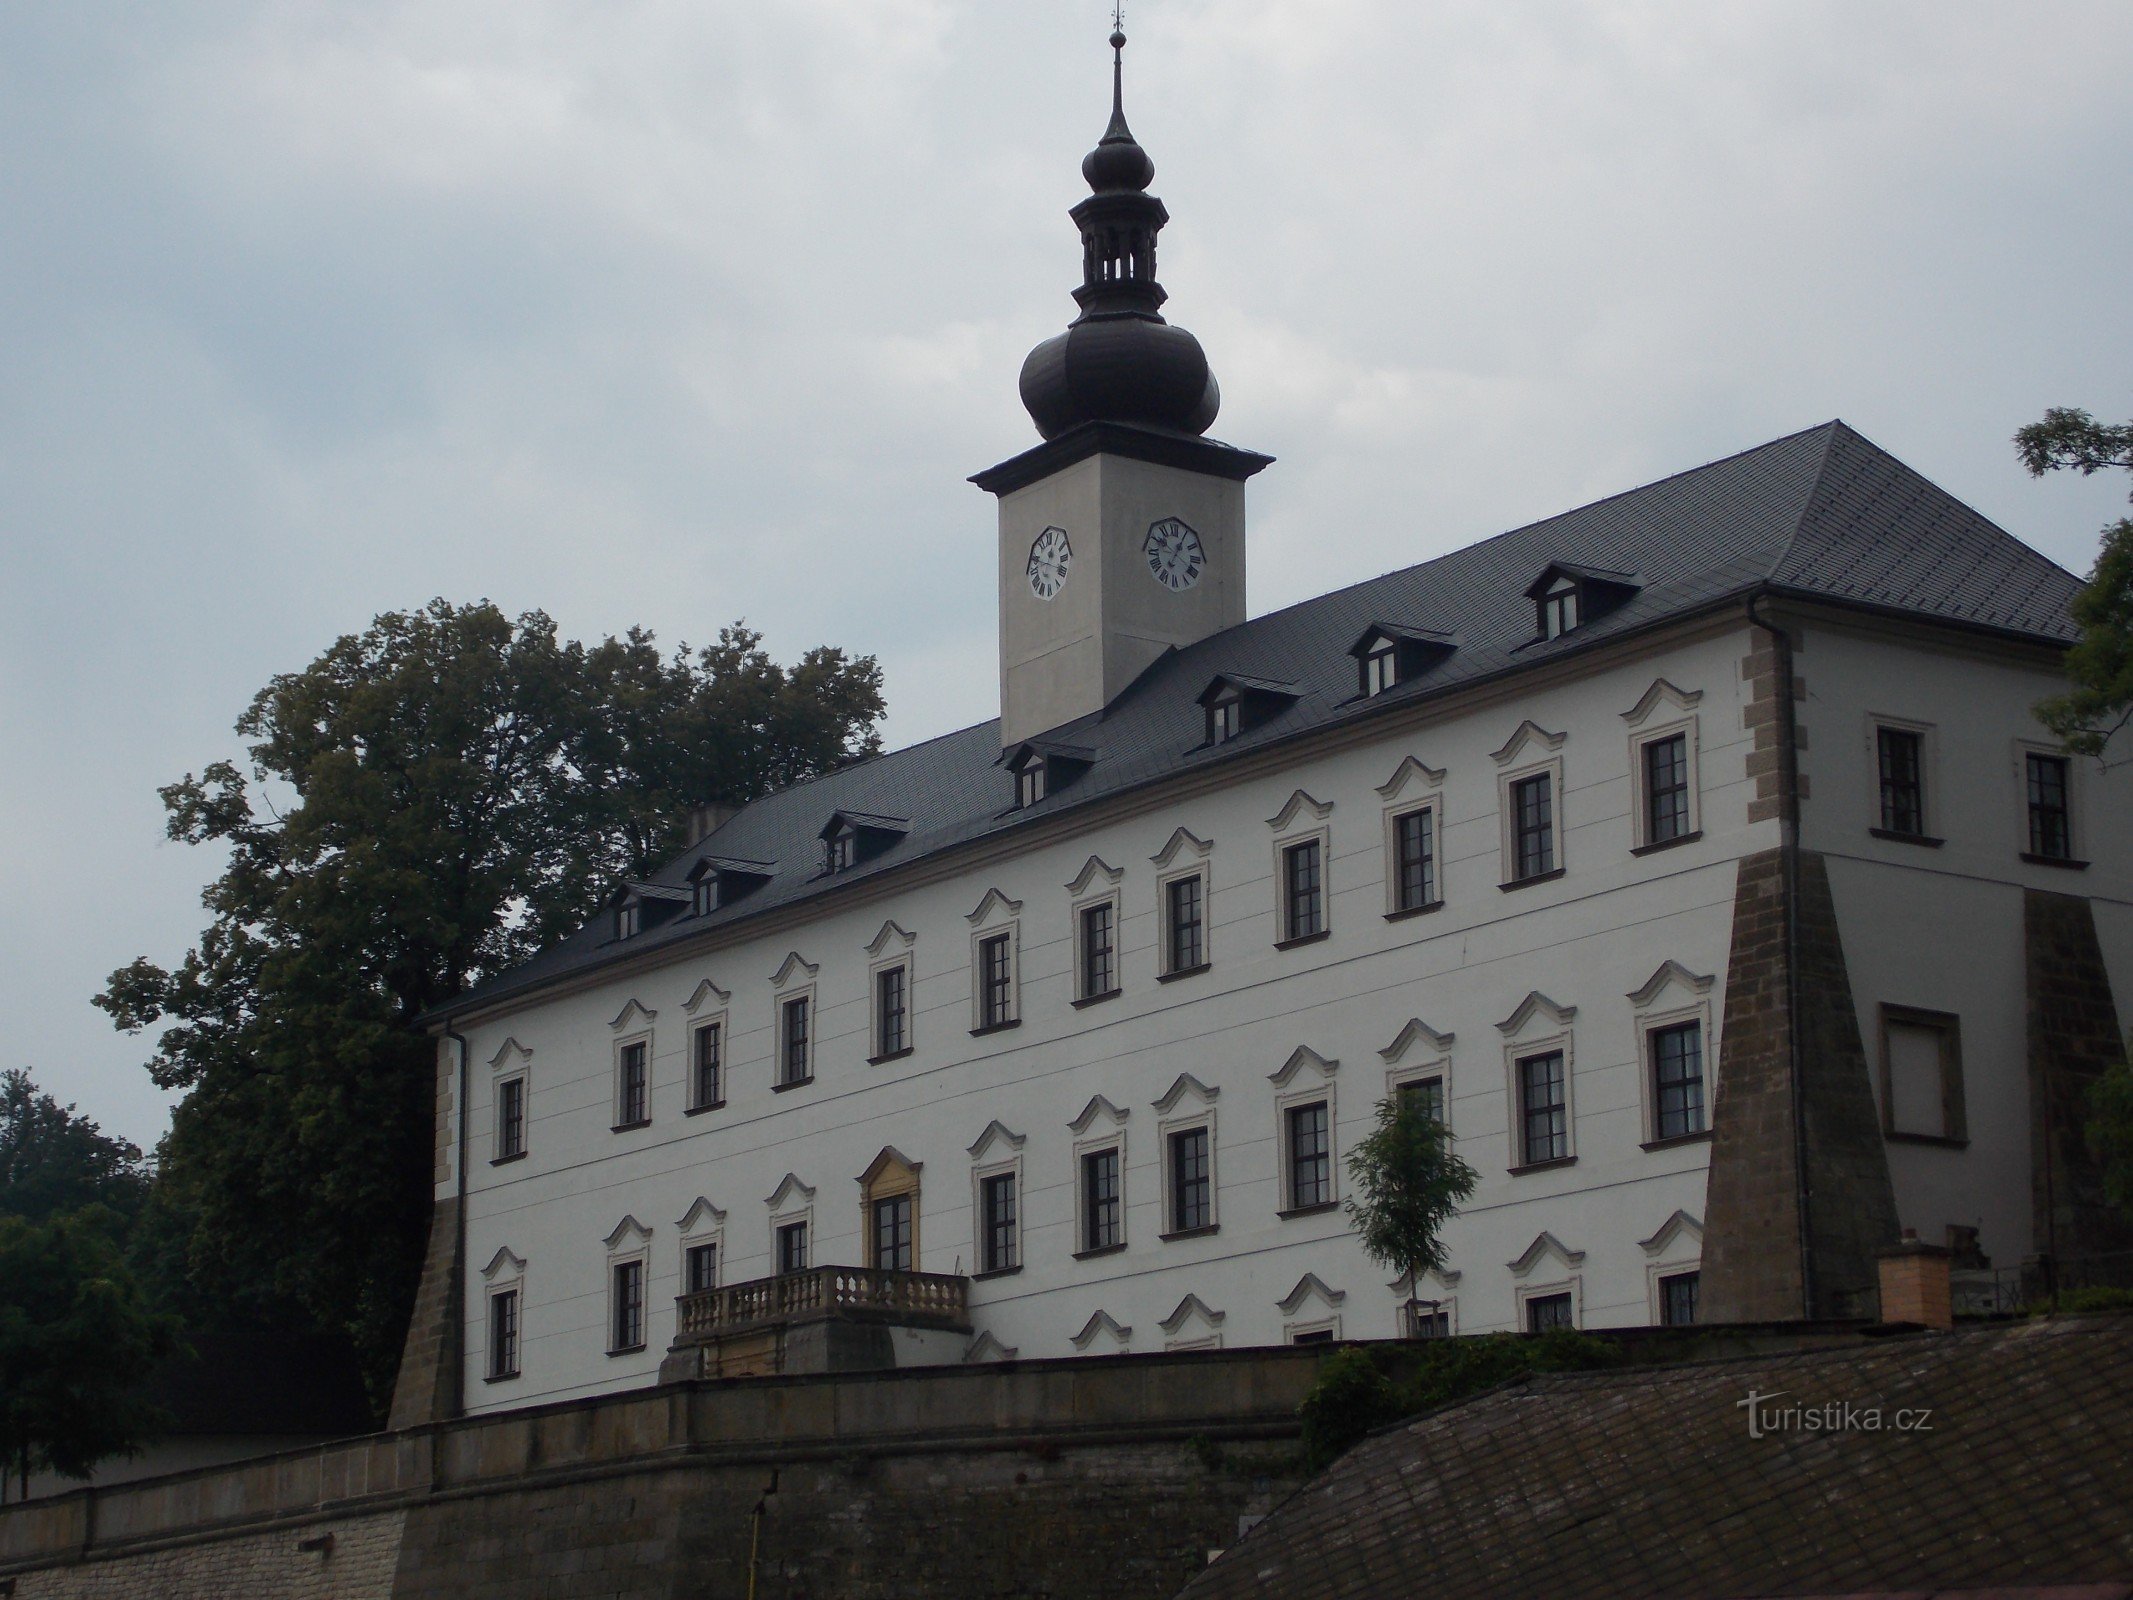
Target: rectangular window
{"points": [[1677, 1299], [1559, 611], [892, 1011], [706, 894], [2051, 818], [626, 1321], [1425, 1321], [1029, 784], [996, 1199], [699, 1268], [1102, 1218], [510, 1118], [626, 921], [1185, 913], [1310, 1144], [996, 980], [1545, 1311], [1903, 788], [1414, 860], [1677, 1079], [633, 1093], [1312, 1336], [1192, 1195], [1303, 890], [793, 1059], [1099, 950], [1424, 1095], [892, 1234], [1381, 669], [706, 1067], [1223, 719], [1543, 1109], [841, 850], [1666, 789], [792, 1247], [503, 1334], [1533, 827], [1921, 1075]]}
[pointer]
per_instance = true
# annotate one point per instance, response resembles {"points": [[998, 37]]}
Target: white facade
{"points": [[1588, 961]]}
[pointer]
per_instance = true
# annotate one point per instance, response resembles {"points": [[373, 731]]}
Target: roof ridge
{"points": [[1837, 427]]}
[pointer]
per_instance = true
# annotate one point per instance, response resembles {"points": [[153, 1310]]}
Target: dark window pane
{"points": [[1677, 1079], [700, 1268], [1677, 1299], [1416, 865], [511, 1117], [1101, 1219], [1304, 892], [1666, 788], [1099, 973], [634, 1096], [1547, 1311], [995, 981], [792, 1247], [2051, 831], [503, 1334], [1310, 1156], [1533, 825], [892, 1011], [892, 1234], [793, 1051], [1903, 801], [998, 1196], [1424, 1095], [1543, 1109], [1191, 1181], [628, 1296], [1188, 935], [706, 1062]]}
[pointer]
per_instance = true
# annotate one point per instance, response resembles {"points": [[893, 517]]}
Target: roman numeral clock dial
{"points": [[1175, 555], [1049, 558]]}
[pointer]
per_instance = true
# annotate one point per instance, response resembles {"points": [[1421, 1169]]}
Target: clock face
{"points": [[1049, 559], [1175, 555]]}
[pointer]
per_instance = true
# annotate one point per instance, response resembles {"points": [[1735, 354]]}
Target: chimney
{"points": [[1915, 1283], [708, 818]]}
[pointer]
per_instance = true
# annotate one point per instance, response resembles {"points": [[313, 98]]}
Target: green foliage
{"points": [[2100, 667], [1407, 1183], [2110, 1129], [1359, 1391], [427, 803], [2102, 1299], [54, 1161], [75, 1339]]}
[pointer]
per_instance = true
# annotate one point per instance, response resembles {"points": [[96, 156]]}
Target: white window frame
{"points": [[1200, 870], [792, 1201], [1929, 788], [1112, 899], [2076, 803], [794, 980], [703, 1224], [1439, 1068], [1284, 935], [1011, 932], [1571, 613], [997, 1154], [907, 965], [513, 1063], [1671, 996], [1507, 783], [1381, 667], [1189, 1105], [1101, 1126], [1523, 1041], [718, 1020], [623, 1045], [1433, 804], [505, 1274], [1663, 712], [630, 1242], [1031, 781], [1573, 1285]]}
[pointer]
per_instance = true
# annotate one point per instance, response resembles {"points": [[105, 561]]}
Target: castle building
{"points": [[1694, 855]]}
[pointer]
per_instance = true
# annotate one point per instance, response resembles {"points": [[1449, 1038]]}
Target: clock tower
{"points": [[1122, 535]]}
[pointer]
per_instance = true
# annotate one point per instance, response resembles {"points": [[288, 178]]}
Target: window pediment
{"points": [[1097, 1106], [788, 1192], [1301, 1057], [509, 1054], [1188, 1308], [1416, 1032], [706, 993], [1531, 738], [888, 1167], [1181, 840], [504, 1264], [628, 1232], [986, 1348], [996, 1132], [891, 936], [793, 966], [1090, 870], [1661, 696], [1534, 1005], [1186, 1084], [1299, 801], [1671, 975], [1411, 770], [994, 903], [701, 1215], [1103, 1325], [1680, 1224], [1310, 1287], [1546, 1246], [633, 1010]]}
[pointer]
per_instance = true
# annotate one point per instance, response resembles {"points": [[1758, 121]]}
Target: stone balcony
{"points": [[825, 1319]]}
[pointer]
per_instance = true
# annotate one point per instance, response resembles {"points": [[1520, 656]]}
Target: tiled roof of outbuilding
{"points": [[1822, 514], [1645, 1482]]}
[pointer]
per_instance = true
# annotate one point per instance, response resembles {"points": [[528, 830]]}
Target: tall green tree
{"points": [[54, 1160], [76, 1338], [425, 804], [2099, 704], [1408, 1183]]}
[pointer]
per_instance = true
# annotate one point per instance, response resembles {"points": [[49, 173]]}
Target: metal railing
{"points": [[930, 1299]]}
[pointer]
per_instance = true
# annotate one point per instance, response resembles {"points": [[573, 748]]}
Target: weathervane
{"points": [[1118, 25]]}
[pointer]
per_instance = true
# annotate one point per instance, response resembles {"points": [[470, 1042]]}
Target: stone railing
{"points": [[919, 1299]]}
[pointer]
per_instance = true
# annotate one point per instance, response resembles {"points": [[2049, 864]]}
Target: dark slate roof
{"points": [[1822, 514], [1645, 1483]]}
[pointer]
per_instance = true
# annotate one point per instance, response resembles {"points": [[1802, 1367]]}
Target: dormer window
{"points": [[628, 919], [1029, 782], [850, 837], [1381, 668], [1225, 717], [841, 849], [707, 894], [1559, 608], [718, 881]]}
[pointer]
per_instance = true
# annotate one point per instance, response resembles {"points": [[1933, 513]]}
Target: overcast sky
{"points": [[673, 312]]}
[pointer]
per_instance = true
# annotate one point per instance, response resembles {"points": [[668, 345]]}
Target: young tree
{"points": [[1408, 1182], [428, 802], [53, 1160], [2100, 665], [76, 1340]]}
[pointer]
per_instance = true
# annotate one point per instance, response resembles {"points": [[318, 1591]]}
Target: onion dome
{"points": [[1119, 361]]}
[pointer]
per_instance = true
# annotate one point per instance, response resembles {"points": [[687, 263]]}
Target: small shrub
{"points": [[1350, 1398], [2100, 1299]]}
